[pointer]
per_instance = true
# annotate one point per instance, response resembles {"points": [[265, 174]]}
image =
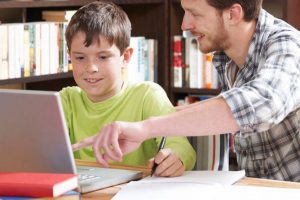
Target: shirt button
{"points": [[244, 152]]}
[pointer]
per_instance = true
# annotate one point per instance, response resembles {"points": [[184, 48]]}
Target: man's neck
{"points": [[240, 40]]}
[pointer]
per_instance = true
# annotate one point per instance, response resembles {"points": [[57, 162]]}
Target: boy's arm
{"points": [[179, 145]]}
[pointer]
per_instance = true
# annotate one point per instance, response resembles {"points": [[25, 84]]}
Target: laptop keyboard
{"points": [[87, 174], [87, 177]]}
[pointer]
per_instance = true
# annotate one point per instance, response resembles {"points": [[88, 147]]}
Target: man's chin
{"points": [[208, 49], [205, 50]]}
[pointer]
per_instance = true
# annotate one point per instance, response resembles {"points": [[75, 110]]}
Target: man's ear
{"points": [[127, 56], [234, 14]]}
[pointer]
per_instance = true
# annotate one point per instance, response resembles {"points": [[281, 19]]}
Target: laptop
{"points": [[34, 138]]}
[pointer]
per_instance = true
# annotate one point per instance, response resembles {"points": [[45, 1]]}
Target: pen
{"points": [[161, 146]]}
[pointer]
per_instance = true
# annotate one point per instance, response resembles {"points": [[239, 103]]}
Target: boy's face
{"points": [[206, 24], [97, 69]]}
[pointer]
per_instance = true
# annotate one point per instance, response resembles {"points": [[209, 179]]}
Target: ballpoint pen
{"points": [[161, 146]]}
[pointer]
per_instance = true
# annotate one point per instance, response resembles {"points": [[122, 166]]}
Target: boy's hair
{"points": [[251, 7], [100, 18]]}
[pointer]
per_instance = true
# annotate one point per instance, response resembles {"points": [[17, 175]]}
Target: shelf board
{"points": [[66, 3], [32, 79], [195, 91]]}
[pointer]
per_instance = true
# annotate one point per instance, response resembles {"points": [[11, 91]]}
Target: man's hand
{"points": [[169, 164], [113, 141]]}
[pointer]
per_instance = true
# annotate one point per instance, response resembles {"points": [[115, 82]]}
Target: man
{"points": [[257, 58]]}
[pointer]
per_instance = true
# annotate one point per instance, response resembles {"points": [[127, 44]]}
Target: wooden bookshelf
{"points": [[149, 18], [66, 3], [158, 19], [32, 79]]}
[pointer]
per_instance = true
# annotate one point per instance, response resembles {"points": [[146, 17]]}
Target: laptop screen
{"points": [[33, 133]]}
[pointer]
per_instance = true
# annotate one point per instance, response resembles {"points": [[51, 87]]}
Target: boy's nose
{"points": [[92, 68]]}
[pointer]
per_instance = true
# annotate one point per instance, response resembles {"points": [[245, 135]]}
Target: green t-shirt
{"points": [[135, 102]]}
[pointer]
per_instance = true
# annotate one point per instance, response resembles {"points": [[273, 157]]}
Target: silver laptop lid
{"points": [[33, 133]]}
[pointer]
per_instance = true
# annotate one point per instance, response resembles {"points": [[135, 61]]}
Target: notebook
{"points": [[34, 138]]}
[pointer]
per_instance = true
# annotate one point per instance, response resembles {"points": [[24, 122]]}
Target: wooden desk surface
{"points": [[108, 193]]}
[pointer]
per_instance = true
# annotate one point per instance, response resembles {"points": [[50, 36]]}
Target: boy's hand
{"points": [[169, 164], [113, 141]]}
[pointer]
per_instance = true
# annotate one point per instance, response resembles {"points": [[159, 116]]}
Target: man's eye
{"points": [[196, 14]]}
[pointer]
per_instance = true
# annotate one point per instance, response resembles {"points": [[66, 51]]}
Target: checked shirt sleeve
{"points": [[274, 89]]}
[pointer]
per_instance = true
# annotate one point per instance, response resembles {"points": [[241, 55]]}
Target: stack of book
{"points": [[27, 184], [57, 15]]}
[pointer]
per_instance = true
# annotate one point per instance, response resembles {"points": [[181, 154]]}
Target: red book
{"points": [[36, 184]]}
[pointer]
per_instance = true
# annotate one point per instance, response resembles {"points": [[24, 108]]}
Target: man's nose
{"points": [[186, 24]]}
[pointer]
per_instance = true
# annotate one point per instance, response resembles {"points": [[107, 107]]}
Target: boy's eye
{"points": [[104, 57], [79, 57]]}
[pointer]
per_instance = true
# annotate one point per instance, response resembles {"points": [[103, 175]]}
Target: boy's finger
{"points": [[150, 163]]}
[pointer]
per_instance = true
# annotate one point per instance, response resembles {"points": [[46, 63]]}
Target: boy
{"points": [[98, 38]]}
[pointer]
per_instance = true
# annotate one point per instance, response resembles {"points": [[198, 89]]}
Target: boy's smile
{"points": [[97, 69]]}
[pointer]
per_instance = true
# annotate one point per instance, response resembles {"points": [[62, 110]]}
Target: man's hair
{"points": [[100, 18], [251, 7]]}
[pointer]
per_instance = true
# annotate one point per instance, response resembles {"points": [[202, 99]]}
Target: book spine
{"points": [[177, 61]]}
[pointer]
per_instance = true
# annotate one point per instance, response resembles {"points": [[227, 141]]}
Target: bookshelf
{"points": [[158, 19], [149, 18]]}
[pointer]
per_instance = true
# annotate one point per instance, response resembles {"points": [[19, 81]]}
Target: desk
{"points": [[108, 193]]}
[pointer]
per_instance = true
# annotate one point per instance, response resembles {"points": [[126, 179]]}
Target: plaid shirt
{"points": [[265, 100]]}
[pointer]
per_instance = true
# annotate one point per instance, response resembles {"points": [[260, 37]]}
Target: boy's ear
{"points": [[127, 55]]}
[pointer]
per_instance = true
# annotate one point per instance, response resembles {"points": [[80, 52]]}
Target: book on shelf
{"points": [[39, 48], [29, 184], [35, 48], [192, 68], [177, 61], [57, 15], [143, 63]]}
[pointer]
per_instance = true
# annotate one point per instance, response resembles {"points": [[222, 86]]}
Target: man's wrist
{"points": [[149, 128]]}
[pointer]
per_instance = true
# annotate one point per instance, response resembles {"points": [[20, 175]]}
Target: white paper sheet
{"points": [[189, 191], [200, 177], [181, 187]]}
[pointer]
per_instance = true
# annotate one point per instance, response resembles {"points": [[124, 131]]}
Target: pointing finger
{"points": [[84, 143]]}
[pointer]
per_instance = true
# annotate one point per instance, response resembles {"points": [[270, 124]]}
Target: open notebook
{"points": [[34, 138]]}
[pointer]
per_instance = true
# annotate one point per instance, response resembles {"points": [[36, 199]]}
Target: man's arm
{"points": [[207, 118]]}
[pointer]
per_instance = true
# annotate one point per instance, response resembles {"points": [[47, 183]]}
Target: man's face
{"points": [[96, 68], [206, 24]]}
